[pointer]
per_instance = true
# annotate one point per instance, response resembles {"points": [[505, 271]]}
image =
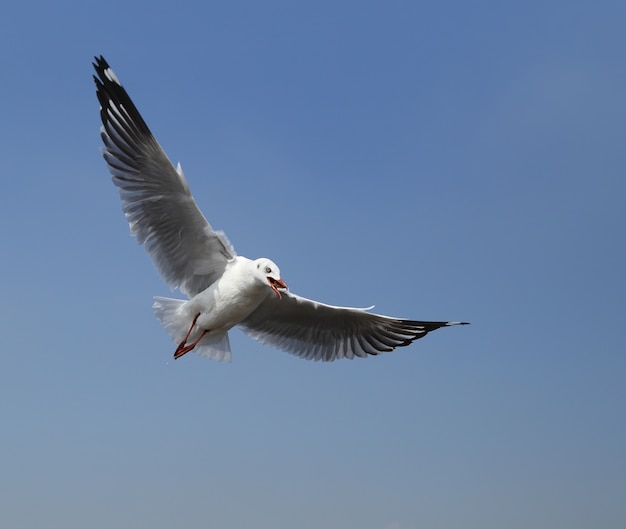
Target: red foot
{"points": [[183, 347]]}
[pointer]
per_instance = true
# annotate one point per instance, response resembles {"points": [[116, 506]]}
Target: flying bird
{"points": [[224, 289]]}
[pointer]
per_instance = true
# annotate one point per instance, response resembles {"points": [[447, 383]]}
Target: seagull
{"points": [[224, 289]]}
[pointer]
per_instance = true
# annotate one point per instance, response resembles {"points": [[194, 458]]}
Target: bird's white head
{"points": [[267, 271]]}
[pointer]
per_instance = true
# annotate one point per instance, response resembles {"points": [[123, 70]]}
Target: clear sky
{"points": [[442, 160]]}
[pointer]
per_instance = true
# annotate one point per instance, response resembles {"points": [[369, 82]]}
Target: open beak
{"points": [[276, 284]]}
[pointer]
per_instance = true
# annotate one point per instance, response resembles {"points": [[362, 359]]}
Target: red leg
{"points": [[193, 323], [186, 348], [182, 346]]}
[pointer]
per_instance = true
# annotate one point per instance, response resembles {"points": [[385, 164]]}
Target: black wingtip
{"points": [[104, 73], [100, 64]]}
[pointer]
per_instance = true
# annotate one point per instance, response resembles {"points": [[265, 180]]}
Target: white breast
{"points": [[230, 299]]}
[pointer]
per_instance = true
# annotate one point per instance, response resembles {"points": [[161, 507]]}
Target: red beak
{"points": [[276, 284]]}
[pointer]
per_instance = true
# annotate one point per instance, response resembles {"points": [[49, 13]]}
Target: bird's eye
{"points": [[268, 270]]}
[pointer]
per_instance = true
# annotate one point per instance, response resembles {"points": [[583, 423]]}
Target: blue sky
{"points": [[445, 160]]}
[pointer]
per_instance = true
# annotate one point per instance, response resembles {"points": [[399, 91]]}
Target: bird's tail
{"points": [[167, 311], [214, 345]]}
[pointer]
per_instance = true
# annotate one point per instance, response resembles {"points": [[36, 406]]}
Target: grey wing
{"points": [[316, 331], [156, 199]]}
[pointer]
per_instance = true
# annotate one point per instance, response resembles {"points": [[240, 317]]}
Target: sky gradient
{"points": [[448, 161]]}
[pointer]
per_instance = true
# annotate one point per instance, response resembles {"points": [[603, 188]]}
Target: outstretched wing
{"points": [[156, 199], [316, 331]]}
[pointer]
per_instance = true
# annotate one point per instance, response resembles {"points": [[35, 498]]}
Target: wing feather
{"points": [[316, 331], [156, 199]]}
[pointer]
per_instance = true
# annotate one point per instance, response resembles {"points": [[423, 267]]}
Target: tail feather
{"points": [[168, 311], [215, 347]]}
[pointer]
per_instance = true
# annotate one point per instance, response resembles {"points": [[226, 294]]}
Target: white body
{"points": [[228, 301], [221, 306]]}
